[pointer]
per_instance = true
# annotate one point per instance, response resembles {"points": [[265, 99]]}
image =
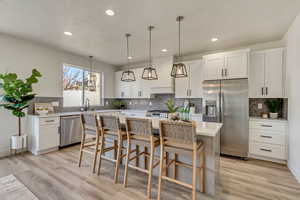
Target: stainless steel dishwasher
{"points": [[70, 130]]}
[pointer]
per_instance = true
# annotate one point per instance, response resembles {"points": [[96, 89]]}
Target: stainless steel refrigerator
{"points": [[226, 101]]}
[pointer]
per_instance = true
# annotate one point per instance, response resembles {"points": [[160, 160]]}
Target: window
{"points": [[80, 84]]}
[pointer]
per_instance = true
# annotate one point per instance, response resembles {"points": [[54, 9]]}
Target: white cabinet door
{"points": [[182, 86], [236, 65], [140, 88], [118, 91], [123, 89], [196, 79], [213, 67], [48, 137], [257, 75], [274, 73]]}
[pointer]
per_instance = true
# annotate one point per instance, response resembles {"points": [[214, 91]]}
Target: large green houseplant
{"points": [[16, 93]]}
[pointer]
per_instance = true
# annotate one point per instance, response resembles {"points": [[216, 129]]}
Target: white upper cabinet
{"points": [[140, 87], [267, 74], [191, 86], [236, 65], [122, 89], [229, 65], [213, 67]]}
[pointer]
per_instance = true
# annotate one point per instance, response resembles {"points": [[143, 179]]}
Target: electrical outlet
{"points": [[55, 103], [150, 103], [130, 103], [259, 106], [106, 103]]}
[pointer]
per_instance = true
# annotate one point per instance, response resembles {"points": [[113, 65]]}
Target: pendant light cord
{"points": [[91, 63], [127, 43], [179, 37], [150, 43]]}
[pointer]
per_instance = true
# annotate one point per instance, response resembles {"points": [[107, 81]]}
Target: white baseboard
{"points": [[294, 172]]}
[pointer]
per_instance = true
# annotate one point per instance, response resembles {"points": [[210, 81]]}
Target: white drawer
{"points": [[267, 125], [266, 136], [44, 121], [268, 150]]}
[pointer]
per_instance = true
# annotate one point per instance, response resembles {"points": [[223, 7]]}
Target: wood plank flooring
{"points": [[55, 176]]}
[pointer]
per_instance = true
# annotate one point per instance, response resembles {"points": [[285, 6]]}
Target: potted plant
{"points": [[118, 104], [15, 95], [273, 107], [172, 109]]}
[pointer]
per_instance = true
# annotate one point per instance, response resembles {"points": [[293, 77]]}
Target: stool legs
{"points": [[161, 165], [127, 162], [150, 168], [100, 152], [194, 163], [81, 149], [96, 153], [118, 160]]}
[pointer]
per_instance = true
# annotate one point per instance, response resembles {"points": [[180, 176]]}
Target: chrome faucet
{"points": [[87, 104]]}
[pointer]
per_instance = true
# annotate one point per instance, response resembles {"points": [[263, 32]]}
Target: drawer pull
{"points": [[264, 125], [266, 136], [50, 121], [263, 149]]}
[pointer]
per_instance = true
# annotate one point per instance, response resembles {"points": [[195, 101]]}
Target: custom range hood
{"points": [[165, 83]]}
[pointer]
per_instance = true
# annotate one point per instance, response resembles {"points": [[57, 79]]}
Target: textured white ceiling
{"points": [[234, 22]]}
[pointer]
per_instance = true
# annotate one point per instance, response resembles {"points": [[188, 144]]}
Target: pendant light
{"points": [[149, 72], [128, 75], [91, 83], [179, 69]]}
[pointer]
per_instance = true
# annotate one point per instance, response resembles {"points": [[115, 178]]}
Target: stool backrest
{"points": [[138, 126], [89, 123], [109, 123], [179, 132]]}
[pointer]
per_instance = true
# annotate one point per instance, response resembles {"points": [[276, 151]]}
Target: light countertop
{"points": [[268, 119]]}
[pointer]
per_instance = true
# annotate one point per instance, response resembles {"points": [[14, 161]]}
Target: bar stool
{"points": [[180, 138], [139, 132], [90, 137], [111, 132]]}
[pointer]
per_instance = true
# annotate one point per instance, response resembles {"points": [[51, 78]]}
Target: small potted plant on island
{"points": [[15, 95], [173, 115], [274, 107]]}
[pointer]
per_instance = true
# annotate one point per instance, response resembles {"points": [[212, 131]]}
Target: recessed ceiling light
{"points": [[68, 33], [214, 39], [110, 12], [164, 50], [129, 57]]}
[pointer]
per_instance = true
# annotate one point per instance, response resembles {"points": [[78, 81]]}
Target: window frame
{"points": [[83, 95]]}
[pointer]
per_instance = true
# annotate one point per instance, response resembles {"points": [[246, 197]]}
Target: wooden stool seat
{"points": [[139, 132], [180, 138], [111, 133]]}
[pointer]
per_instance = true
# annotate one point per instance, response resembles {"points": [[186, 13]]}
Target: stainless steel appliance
{"points": [[158, 113], [70, 130], [226, 101]]}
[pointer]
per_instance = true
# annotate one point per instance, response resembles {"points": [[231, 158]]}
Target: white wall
{"points": [[292, 39], [21, 56]]}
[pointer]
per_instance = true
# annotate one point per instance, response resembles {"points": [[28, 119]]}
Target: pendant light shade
{"points": [[149, 72], [92, 78], [179, 69], [128, 75]]}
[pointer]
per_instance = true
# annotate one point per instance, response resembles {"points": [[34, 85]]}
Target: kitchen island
{"points": [[207, 132]]}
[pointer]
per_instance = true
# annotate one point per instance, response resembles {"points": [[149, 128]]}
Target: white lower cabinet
{"points": [[43, 133], [268, 139]]}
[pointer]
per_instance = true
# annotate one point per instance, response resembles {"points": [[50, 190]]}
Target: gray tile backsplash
{"points": [[254, 111], [158, 102]]}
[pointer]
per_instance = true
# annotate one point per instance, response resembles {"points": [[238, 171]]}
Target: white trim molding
{"points": [[295, 172]]}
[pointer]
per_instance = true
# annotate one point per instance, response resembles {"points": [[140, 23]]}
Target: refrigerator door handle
{"points": [[222, 72], [262, 91]]}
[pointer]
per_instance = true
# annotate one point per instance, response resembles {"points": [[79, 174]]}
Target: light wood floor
{"points": [[55, 176]]}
